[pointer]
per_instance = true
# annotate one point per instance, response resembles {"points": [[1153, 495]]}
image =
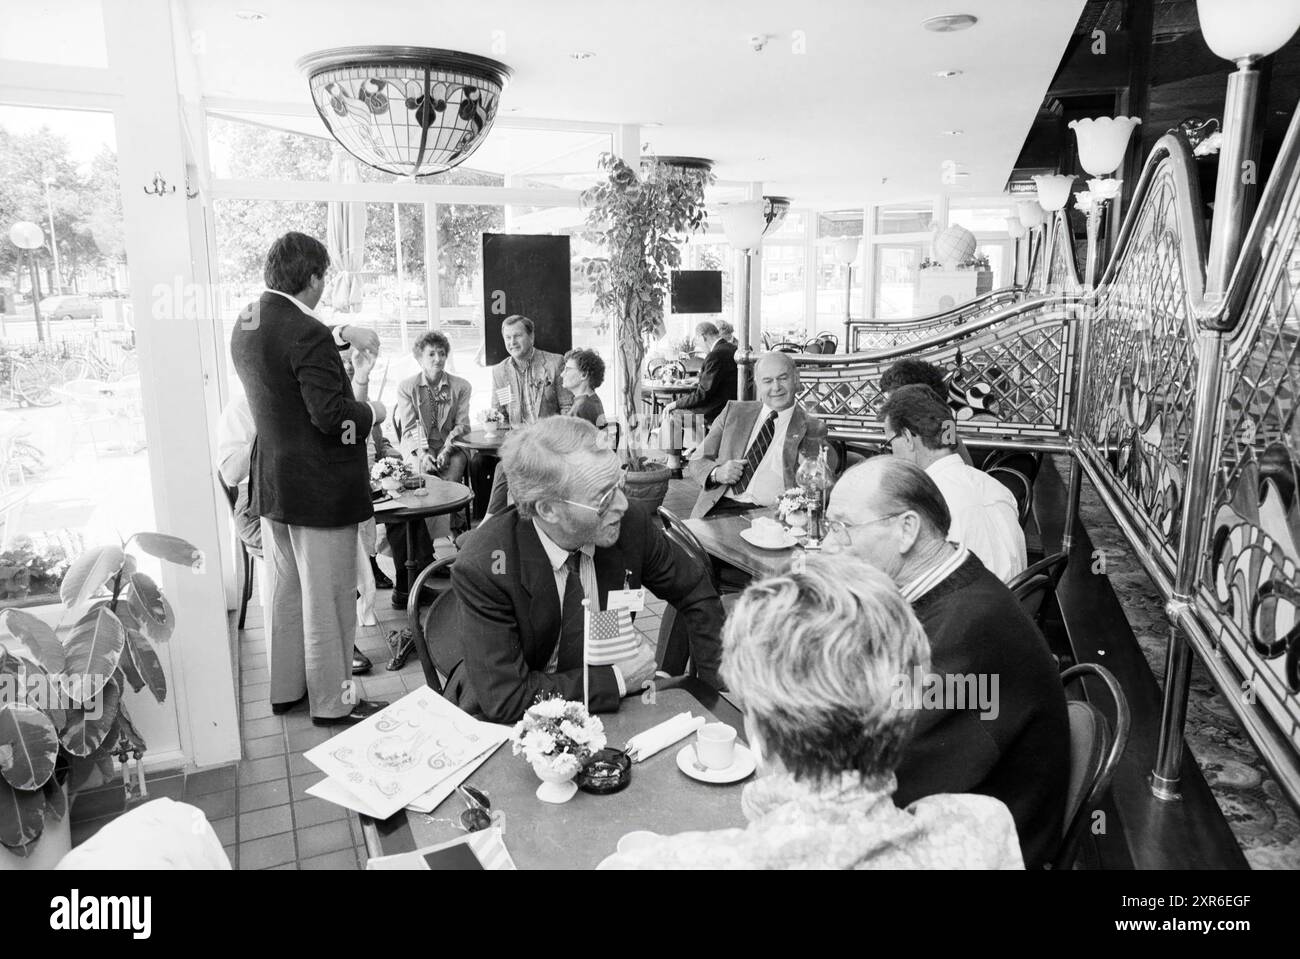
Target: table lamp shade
{"points": [[1235, 29], [1102, 142], [1053, 191], [744, 223]]}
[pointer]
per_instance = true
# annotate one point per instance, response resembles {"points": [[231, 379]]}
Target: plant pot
{"points": [[54, 844], [392, 484], [557, 786], [648, 487]]}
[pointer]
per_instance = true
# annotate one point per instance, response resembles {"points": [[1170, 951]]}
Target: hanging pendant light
{"points": [[408, 111]]}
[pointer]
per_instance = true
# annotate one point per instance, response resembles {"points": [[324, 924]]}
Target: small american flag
{"points": [[503, 396], [610, 638]]}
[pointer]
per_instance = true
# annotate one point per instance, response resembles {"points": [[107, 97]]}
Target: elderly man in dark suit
{"points": [[308, 481], [717, 384], [1010, 738], [521, 577], [750, 456]]}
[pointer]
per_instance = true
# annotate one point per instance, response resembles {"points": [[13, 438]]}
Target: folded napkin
{"points": [[644, 745]]}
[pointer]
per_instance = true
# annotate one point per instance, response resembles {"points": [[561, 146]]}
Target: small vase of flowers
{"points": [[391, 474], [492, 421], [558, 738], [793, 506]]}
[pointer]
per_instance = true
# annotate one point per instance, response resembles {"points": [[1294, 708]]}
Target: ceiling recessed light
{"points": [[581, 55], [947, 74], [950, 23], [249, 16], [953, 133]]}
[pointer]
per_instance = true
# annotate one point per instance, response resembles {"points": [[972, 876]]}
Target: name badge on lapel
{"points": [[633, 600]]}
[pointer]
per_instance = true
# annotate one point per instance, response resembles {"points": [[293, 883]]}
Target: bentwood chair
{"points": [[786, 346], [1037, 583], [1095, 752], [673, 650], [435, 628], [1016, 470]]}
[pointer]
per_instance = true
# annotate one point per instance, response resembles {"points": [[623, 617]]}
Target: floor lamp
{"points": [[846, 252]]}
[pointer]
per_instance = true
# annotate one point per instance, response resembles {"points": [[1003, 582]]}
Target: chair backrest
{"points": [[1025, 461], [829, 341], [1095, 752], [692, 364], [1021, 487], [436, 628], [1037, 582], [680, 534], [786, 346], [813, 345]]}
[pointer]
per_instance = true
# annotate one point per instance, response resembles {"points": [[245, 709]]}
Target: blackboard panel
{"points": [[697, 291], [528, 275]]}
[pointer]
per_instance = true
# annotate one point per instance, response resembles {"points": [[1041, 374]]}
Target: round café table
{"points": [[482, 450], [441, 497]]}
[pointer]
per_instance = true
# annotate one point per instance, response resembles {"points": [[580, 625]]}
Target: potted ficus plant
{"points": [[62, 709], [639, 220]]}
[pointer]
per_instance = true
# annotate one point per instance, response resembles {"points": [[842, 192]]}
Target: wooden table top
{"points": [[479, 440], [580, 833], [442, 497], [720, 537]]}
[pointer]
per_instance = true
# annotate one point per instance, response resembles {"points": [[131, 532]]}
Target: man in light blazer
{"points": [[751, 453]]}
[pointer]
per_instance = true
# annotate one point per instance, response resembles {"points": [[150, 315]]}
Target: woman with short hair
{"points": [[825, 660], [582, 375]]}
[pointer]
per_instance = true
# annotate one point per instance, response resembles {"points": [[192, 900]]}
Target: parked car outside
{"points": [[70, 307]]}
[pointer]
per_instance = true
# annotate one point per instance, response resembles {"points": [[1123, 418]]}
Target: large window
{"points": [[897, 269], [832, 275], [74, 469]]}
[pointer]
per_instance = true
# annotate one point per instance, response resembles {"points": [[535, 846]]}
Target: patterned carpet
{"points": [[1264, 822]]}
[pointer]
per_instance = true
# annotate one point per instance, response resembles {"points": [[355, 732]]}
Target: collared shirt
{"points": [[768, 482], [529, 382], [934, 576], [559, 557], [984, 515]]}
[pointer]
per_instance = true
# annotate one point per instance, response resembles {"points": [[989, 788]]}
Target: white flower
{"points": [[547, 709], [577, 733], [539, 742]]}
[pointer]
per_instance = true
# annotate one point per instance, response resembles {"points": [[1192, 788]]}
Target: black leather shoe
{"points": [[399, 600], [361, 663], [281, 708], [381, 581], [362, 710]]}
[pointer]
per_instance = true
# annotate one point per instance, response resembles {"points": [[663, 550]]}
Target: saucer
{"points": [[753, 540], [742, 766]]}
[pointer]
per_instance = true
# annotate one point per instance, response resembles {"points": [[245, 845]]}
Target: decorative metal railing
{"points": [[1009, 377], [871, 335], [1183, 410]]}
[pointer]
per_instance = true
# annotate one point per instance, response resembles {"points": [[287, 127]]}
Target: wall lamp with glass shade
{"points": [[744, 225], [1017, 231], [1053, 195], [1103, 141], [1242, 31]]}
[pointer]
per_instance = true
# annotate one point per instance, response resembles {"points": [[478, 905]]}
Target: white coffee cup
{"points": [[767, 531], [715, 745]]}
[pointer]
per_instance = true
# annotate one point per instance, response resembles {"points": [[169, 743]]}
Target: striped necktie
{"points": [[757, 450]]}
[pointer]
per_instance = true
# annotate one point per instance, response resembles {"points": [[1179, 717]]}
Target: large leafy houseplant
{"points": [[639, 220], [61, 709]]}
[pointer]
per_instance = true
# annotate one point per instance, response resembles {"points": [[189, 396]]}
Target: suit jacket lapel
{"points": [[795, 431], [537, 579], [748, 416]]}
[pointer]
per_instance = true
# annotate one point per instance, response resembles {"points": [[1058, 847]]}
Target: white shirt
{"points": [[768, 482], [559, 557], [984, 515], [235, 434]]}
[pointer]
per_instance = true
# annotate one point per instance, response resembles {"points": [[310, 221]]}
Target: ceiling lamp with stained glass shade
{"points": [[408, 111], [775, 209]]}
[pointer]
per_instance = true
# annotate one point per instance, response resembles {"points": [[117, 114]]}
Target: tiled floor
{"points": [[259, 807]]}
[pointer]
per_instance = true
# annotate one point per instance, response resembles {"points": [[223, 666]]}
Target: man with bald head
{"points": [[1014, 745], [751, 453], [520, 579]]}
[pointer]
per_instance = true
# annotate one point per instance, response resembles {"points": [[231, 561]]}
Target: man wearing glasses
{"points": [[1014, 747], [520, 579], [751, 453]]}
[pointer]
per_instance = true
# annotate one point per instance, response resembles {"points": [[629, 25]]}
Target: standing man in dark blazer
{"points": [[521, 577], [308, 481], [751, 454], [717, 383], [1006, 733]]}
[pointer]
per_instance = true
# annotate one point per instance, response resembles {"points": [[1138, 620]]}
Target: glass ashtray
{"points": [[607, 772]]}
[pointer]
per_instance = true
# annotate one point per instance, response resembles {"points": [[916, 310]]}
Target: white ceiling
{"points": [[856, 117]]}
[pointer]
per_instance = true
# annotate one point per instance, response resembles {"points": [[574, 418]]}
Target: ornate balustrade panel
{"points": [[1009, 378], [1249, 589], [1138, 399], [871, 335]]}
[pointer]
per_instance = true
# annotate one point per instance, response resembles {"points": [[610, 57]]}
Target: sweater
{"points": [[1016, 746]]}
